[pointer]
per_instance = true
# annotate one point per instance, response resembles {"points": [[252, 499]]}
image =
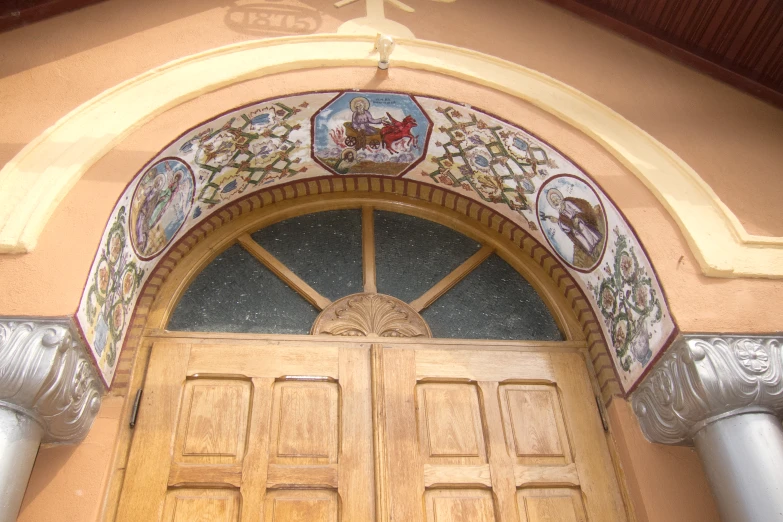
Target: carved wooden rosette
{"points": [[370, 315]]}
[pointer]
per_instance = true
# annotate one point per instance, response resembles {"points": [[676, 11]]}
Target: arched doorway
{"points": [[251, 168], [442, 152], [370, 419]]}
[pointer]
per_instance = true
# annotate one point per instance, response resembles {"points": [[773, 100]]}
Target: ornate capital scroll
{"points": [[370, 315], [46, 374], [704, 378]]}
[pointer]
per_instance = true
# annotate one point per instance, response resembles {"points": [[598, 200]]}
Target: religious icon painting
{"points": [[370, 133], [159, 206], [573, 221]]}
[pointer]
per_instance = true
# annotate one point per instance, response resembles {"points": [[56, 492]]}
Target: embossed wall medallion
{"points": [[370, 315]]}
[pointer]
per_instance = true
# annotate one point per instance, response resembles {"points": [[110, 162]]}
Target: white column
{"points": [[20, 437], [49, 392], [723, 394], [746, 478]]}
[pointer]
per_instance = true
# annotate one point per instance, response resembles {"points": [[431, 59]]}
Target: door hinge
{"points": [[135, 410], [601, 412]]}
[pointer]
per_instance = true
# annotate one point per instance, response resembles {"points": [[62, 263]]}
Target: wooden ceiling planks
{"points": [[16, 13], [737, 41]]}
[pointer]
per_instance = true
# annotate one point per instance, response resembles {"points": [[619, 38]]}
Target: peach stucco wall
{"points": [[68, 482], [665, 483], [733, 141]]}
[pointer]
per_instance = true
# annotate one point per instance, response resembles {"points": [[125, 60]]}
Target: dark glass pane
{"points": [[492, 302], [236, 293], [324, 249], [412, 254]]}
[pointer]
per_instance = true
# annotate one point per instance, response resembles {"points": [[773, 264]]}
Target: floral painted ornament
{"points": [[629, 304], [110, 296]]}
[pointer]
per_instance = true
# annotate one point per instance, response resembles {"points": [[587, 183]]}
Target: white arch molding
{"points": [[34, 182]]}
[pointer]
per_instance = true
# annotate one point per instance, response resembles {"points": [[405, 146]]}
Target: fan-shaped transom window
{"points": [[396, 266]]}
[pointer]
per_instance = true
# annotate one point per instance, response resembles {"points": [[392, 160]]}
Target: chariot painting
{"points": [[159, 206], [370, 133], [573, 221]]}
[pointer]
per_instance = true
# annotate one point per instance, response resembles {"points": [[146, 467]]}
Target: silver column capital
{"points": [[46, 374], [704, 378]]}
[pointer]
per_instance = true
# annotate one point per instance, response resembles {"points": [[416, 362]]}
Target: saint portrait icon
{"points": [[159, 206], [573, 221], [370, 133]]}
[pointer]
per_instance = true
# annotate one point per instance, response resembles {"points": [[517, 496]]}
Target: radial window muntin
{"points": [[474, 295]]}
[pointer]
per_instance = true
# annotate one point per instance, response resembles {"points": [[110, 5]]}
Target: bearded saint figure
{"points": [[581, 222], [149, 200], [156, 199], [362, 120]]}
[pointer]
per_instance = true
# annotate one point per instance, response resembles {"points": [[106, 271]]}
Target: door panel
{"points": [[534, 425], [206, 505], [222, 437], [450, 424], [213, 424], [494, 425], [550, 505], [305, 423], [301, 506], [464, 505], [298, 433]]}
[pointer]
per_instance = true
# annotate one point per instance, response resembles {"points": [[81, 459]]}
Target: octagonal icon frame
{"points": [[370, 133]]}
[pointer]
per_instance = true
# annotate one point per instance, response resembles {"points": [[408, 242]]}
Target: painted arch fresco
{"points": [[423, 139]]}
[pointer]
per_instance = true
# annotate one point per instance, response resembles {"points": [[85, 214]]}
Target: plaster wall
{"points": [[68, 482], [51, 67], [665, 483]]}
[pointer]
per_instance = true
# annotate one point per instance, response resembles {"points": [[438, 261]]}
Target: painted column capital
{"points": [[45, 373], [704, 378]]}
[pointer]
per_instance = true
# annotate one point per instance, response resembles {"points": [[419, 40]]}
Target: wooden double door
{"points": [[360, 433]]}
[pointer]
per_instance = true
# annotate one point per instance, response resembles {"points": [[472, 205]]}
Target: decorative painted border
{"points": [[717, 239], [287, 137]]}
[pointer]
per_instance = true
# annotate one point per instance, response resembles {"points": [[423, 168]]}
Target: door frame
{"points": [[150, 326]]}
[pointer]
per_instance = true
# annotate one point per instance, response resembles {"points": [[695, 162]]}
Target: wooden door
{"points": [[484, 435], [252, 433]]}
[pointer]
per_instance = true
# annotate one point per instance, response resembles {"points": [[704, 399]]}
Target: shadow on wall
{"points": [[272, 18], [96, 25]]}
